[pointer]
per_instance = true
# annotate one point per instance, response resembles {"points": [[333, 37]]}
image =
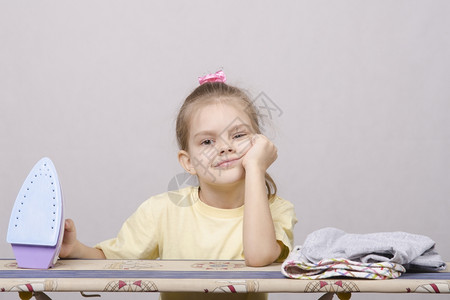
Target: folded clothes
{"points": [[330, 252], [397, 247], [296, 266]]}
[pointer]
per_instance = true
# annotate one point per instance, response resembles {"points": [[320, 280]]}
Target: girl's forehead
{"points": [[219, 116]]}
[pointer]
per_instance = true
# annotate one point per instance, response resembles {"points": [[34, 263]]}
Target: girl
{"points": [[234, 213]]}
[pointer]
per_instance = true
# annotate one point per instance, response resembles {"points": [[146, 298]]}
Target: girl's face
{"points": [[219, 137]]}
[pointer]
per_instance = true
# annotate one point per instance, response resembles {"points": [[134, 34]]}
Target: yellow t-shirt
{"points": [[177, 225]]}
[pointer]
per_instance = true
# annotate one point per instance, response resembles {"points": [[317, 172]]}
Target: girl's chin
{"points": [[228, 176]]}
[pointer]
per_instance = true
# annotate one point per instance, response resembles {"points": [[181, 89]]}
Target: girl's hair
{"points": [[211, 92]]}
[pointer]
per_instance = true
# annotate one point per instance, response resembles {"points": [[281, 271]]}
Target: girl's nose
{"points": [[226, 149]]}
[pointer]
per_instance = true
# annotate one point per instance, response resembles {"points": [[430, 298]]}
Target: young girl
{"points": [[234, 213]]}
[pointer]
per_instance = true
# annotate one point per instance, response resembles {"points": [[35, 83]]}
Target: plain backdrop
{"points": [[356, 96]]}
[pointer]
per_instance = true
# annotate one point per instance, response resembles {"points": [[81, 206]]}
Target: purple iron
{"points": [[36, 225]]}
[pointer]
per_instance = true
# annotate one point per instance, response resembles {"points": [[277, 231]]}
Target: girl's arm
{"points": [[72, 248], [260, 245]]}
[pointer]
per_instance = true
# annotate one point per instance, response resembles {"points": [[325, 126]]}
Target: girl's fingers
{"points": [[69, 225]]}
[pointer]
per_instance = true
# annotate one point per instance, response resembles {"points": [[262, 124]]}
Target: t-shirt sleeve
{"points": [[137, 239], [284, 219]]}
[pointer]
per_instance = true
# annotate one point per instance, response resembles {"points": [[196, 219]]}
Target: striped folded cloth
{"points": [[298, 267]]}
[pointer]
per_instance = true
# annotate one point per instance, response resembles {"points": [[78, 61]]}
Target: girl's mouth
{"points": [[227, 163]]}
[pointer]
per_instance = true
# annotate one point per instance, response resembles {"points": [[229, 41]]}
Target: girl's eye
{"points": [[239, 135], [207, 142]]}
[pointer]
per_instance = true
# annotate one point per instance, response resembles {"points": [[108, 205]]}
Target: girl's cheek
{"points": [[206, 155], [244, 145]]}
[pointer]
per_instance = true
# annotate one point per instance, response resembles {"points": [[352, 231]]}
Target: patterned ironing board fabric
{"points": [[198, 276]]}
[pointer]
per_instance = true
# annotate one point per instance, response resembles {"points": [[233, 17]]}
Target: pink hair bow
{"points": [[219, 76]]}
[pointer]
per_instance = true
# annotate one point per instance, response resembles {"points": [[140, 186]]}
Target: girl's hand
{"points": [[261, 154], [69, 240], [72, 248]]}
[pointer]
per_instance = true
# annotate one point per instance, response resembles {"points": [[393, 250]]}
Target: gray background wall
{"points": [[361, 90]]}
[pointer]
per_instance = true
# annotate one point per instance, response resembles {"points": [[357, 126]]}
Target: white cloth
{"points": [[396, 247]]}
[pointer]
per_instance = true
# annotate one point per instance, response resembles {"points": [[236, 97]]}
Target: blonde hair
{"points": [[213, 92]]}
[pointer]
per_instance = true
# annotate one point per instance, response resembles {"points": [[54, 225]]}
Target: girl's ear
{"points": [[185, 161]]}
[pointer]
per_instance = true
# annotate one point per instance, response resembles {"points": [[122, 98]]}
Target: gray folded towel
{"points": [[410, 250]]}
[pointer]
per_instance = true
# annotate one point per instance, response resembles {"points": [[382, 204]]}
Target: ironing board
{"points": [[196, 276]]}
